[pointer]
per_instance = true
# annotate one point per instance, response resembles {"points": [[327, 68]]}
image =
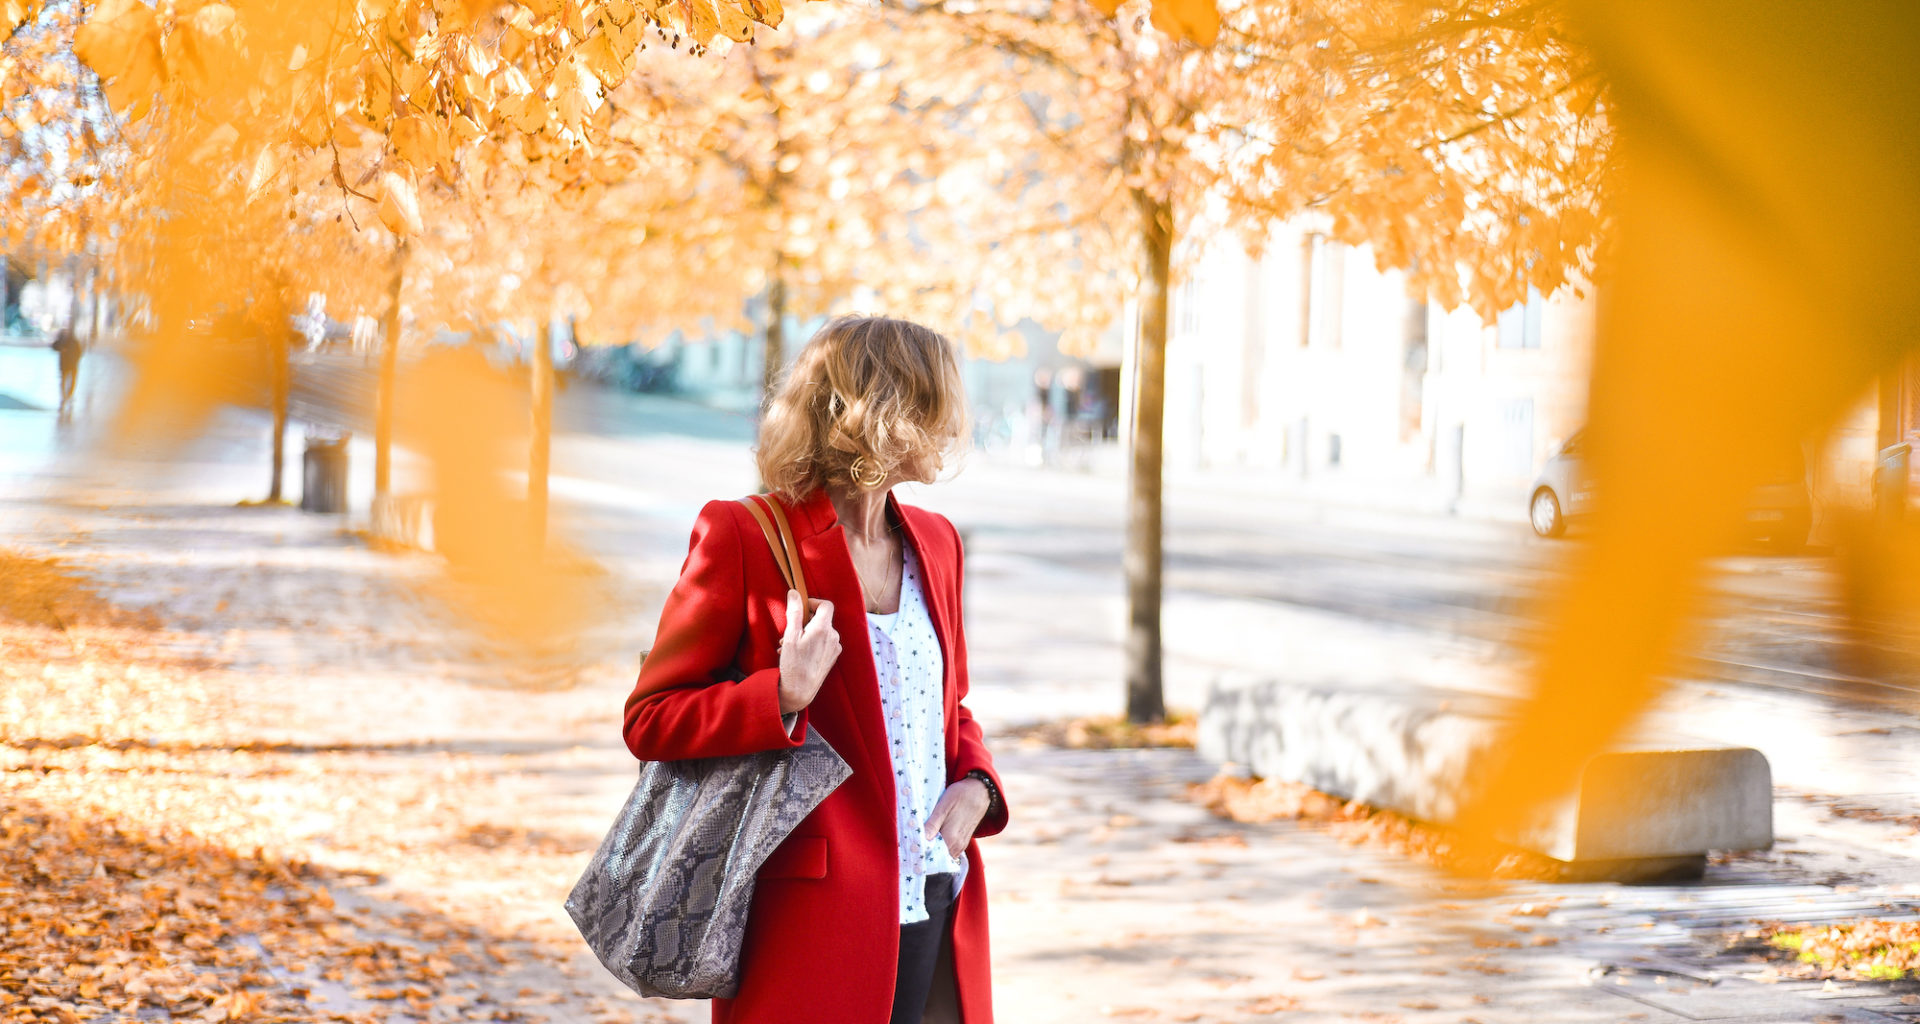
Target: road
{"points": [[1347, 594], [1458, 587]]}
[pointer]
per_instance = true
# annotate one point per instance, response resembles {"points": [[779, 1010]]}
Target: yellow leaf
{"points": [[702, 22], [346, 131], [768, 12], [1106, 7], [1197, 21], [121, 43], [417, 141], [266, 167], [514, 81], [601, 59], [399, 205], [417, 82], [475, 59], [13, 14], [465, 129], [313, 129], [736, 23], [527, 112], [577, 93]]}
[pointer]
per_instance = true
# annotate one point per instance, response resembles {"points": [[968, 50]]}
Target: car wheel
{"points": [[1544, 514]]}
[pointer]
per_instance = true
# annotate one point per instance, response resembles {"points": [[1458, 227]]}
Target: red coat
{"points": [[824, 935]]}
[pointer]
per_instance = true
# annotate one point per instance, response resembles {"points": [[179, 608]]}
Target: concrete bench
{"points": [[1642, 809], [404, 520]]}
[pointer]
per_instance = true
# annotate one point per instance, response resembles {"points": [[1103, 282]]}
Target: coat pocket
{"points": [[798, 857]]}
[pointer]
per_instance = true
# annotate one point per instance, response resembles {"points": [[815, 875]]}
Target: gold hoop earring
{"points": [[866, 473]]}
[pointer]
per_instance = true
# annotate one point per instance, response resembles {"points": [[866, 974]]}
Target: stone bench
{"points": [[404, 520], [1648, 808]]}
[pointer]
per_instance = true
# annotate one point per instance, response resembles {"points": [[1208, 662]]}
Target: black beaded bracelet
{"points": [[994, 803]]}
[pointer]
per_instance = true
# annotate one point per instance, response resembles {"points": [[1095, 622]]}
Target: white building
{"points": [[1313, 363]]}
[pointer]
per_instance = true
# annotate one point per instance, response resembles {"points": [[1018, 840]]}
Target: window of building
{"points": [[1322, 266], [1186, 309], [1413, 369], [1519, 325], [1253, 344]]}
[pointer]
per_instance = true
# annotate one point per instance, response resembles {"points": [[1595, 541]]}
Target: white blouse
{"points": [[906, 655]]}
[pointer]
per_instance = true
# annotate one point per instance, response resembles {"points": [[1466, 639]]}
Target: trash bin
{"points": [[323, 475]]}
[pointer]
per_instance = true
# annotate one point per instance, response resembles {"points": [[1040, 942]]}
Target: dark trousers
{"points": [[920, 947], [69, 376]]}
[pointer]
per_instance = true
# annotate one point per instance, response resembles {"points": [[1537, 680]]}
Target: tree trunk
{"points": [[75, 300], [1146, 701], [282, 371], [389, 370], [99, 311], [541, 442], [775, 353]]}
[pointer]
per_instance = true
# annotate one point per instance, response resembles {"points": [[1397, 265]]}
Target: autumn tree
{"points": [[64, 164], [824, 166], [1464, 140], [226, 103]]}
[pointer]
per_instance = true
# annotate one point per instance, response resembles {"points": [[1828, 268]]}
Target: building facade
{"points": [[1310, 362]]}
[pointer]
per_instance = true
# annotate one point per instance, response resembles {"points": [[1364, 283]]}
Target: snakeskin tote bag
{"points": [[663, 903]]}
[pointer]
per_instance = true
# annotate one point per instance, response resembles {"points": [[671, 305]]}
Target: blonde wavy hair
{"points": [[882, 392]]}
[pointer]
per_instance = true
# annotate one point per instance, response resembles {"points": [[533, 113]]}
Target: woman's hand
{"points": [[958, 813], [806, 654]]}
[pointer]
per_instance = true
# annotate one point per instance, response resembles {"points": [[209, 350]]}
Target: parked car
{"points": [[1561, 492], [1779, 512]]}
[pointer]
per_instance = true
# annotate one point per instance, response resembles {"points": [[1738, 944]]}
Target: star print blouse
{"points": [[906, 655]]}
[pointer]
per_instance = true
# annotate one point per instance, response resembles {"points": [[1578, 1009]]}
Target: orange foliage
{"points": [[1767, 218]]}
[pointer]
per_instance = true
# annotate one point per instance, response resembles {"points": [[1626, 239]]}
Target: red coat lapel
{"points": [[830, 576], [936, 564]]}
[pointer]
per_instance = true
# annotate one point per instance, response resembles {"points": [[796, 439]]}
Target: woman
{"points": [[875, 908]]}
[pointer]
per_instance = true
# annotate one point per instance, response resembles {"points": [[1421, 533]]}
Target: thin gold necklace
{"points": [[872, 601]]}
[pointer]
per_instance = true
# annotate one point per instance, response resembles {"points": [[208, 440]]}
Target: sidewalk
{"points": [[339, 726], [305, 699]]}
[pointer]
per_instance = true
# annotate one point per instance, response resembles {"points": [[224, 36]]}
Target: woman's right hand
{"points": [[806, 653]]}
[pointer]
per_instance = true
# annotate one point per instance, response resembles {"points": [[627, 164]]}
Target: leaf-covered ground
{"points": [[1112, 732], [38, 590], [1255, 800], [1855, 950], [159, 859]]}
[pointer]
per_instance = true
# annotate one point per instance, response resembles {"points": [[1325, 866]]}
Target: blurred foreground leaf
{"points": [[1767, 224]]}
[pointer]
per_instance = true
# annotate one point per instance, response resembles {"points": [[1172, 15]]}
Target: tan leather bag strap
{"points": [[786, 554], [792, 546]]}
